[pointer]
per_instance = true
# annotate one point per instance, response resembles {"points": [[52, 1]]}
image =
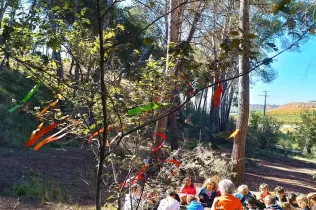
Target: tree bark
{"points": [[174, 24], [102, 142], [238, 152]]}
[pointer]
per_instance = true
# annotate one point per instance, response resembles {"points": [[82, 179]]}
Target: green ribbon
{"points": [[27, 97], [144, 108]]}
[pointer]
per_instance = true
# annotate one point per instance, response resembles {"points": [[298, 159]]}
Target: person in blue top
{"points": [[193, 204], [243, 193], [208, 193]]}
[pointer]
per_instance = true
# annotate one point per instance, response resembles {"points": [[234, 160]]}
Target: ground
{"points": [[73, 170]]}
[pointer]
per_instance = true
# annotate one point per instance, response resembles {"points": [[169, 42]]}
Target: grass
{"points": [[16, 127], [289, 116], [38, 188]]}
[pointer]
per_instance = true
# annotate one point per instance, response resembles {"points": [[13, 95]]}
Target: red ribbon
{"points": [[174, 162], [163, 136], [217, 94], [139, 176]]}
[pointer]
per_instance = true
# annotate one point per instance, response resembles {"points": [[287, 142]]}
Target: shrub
{"points": [[263, 132], [305, 134]]}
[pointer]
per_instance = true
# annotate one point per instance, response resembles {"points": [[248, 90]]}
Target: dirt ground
{"points": [[74, 170]]}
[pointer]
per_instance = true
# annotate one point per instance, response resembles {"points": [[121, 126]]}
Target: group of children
{"points": [[187, 198]]}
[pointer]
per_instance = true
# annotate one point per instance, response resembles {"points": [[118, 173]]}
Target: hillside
{"points": [[16, 126], [296, 106], [258, 107]]}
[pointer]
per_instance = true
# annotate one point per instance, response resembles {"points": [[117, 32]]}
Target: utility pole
{"points": [[265, 101]]}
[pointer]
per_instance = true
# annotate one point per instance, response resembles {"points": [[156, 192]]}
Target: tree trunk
{"points": [[238, 152], [102, 141], [173, 37]]}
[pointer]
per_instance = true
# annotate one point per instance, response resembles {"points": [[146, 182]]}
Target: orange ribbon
{"points": [[40, 133], [174, 162], [47, 140], [49, 106]]}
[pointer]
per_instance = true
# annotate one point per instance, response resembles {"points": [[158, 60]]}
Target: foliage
{"points": [[263, 132], [305, 133], [17, 126], [38, 188]]}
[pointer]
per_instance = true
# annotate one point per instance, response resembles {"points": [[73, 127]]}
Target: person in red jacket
{"points": [[187, 188]]}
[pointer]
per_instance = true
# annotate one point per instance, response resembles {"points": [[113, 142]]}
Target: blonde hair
{"points": [[302, 199], [242, 188], [263, 185], [209, 181]]}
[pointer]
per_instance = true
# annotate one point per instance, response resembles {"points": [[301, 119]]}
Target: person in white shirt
{"points": [[133, 199], [170, 202]]}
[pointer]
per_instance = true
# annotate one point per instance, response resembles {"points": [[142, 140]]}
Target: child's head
{"points": [[286, 206], [279, 192], [312, 198], [190, 198], [302, 201], [243, 189], [264, 188], [188, 181], [292, 198], [210, 184], [135, 188], [171, 193]]}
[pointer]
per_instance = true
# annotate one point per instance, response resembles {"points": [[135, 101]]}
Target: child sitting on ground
{"points": [[193, 204], [243, 193], [302, 202], [208, 193], [312, 198], [188, 188], [279, 195], [292, 200], [264, 191]]}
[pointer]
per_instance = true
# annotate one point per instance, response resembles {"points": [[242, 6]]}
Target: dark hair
{"points": [[188, 177], [291, 197], [171, 193], [279, 189]]}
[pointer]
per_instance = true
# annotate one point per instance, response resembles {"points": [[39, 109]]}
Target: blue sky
{"points": [[296, 80]]}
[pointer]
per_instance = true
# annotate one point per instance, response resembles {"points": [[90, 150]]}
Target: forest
{"points": [[145, 88]]}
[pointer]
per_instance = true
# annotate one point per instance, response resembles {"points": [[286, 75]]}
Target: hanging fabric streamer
{"points": [[98, 132], [49, 106], [47, 140], [144, 108], [174, 162], [163, 136], [217, 94], [41, 133], [39, 127], [139, 176], [235, 133], [27, 97]]}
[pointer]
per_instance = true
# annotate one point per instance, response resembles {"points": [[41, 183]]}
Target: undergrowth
{"points": [[36, 187]]}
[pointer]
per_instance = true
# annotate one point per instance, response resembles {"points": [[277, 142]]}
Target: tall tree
{"points": [[174, 25], [243, 95]]}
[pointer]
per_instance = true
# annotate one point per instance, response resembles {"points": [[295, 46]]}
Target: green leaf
{"points": [[234, 44], [252, 36], [53, 43], [235, 33], [151, 4], [120, 26], [148, 41]]}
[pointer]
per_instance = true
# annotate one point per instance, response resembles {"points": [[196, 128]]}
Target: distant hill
{"points": [[296, 106], [258, 107]]}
